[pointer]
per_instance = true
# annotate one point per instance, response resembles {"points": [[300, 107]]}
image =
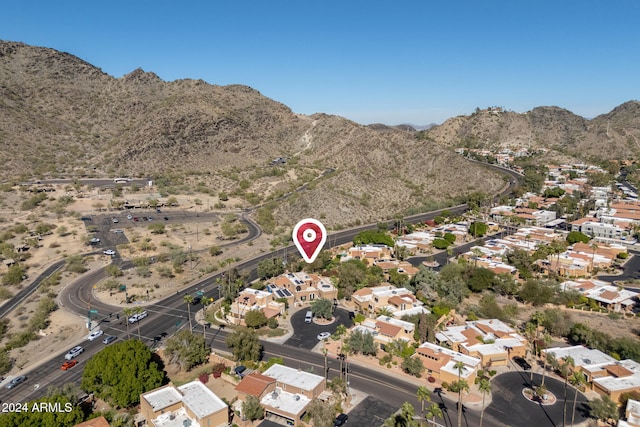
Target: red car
{"points": [[69, 364]]}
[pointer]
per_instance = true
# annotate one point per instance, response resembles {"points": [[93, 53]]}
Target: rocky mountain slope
{"points": [[60, 116], [611, 136]]}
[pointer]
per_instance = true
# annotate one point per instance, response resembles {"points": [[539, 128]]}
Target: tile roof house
{"points": [[439, 363], [190, 404], [303, 287], [609, 297], [398, 301], [284, 392], [253, 299], [490, 340]]}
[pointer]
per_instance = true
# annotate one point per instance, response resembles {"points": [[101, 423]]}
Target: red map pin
{"points": [[309, 236]]}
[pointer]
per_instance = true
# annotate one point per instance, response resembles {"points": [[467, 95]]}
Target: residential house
{"points": [[368, 253], [385, 329], [609, 297], [398, 301], [254, 299], [303, 287], [440, 363], [490, 340], [632, 414], [190, 404]]}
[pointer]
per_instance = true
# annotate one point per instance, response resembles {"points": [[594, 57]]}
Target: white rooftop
{"points": [[288, 403], [582, 356], [162, 398], [200, 400], [471, 363], [294, 377], [178, 418], [613, 383]]}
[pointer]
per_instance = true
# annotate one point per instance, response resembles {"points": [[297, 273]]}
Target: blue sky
{"points": [[370, 61]]}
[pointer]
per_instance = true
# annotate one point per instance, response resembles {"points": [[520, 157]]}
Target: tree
{"points": [[322, 307], [604, 409], [187, 350], [434, 412], [403, 418], [374, 237], [576, 379], [361, 342], [255, 319], [321, 413], [120, 372], [565, 371], [484, 386], [252, 409], [424, 395], [270, 267], [244, 344], [550, 358], [478, 229], [459, 386], [188, 299], [157, 228], [413, 366], [576, 236]]}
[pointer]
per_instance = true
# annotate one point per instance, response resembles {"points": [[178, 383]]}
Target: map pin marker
{"points": [[309, 236]]}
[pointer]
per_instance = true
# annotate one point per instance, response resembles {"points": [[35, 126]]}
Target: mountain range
{"points": [[61, 116]]}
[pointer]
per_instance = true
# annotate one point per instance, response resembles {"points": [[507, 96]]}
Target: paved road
{"points": [[510, 407], [305, 334]]}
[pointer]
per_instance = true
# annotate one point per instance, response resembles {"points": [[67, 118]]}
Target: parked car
{"points": [[138, 317], [69, 364], [340, 420], [75, 351], [109, 339], [522, 363], [16, 381], [240, 371], [109, 252], [323, 335], [95, 334], [308, 317], [129, 216], [117, 230], [94, 241]]}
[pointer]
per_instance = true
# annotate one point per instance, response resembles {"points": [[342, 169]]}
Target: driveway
{"points": [[305, 334], [512, 408]]}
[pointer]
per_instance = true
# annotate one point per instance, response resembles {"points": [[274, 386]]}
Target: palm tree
{"points": [[433, 412], [594, 247], [530, 332], [460, 386], [384, 311], [485, 387], [576, 379], [565, 370], [127, 311], [548, 360], [189, 299], [205, 302], [424, 395]]}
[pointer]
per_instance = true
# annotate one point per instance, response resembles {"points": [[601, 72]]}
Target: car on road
{"points": [[138, 317], [16, 381], [115, 220], [166, 218], [109, 252], [129, 216], [117, 230], [94, 241], [340, 420], [69, 364], [109, 339], [323, 335], [95, 334], [135, 218], [75, 351], [522, 363]]}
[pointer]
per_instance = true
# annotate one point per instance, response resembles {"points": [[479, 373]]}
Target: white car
{"points": [[129, 216], [95, 334], [110, 252], [114, 220], [75, 351], [323, 335], [118, 231], [138, 317]]}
